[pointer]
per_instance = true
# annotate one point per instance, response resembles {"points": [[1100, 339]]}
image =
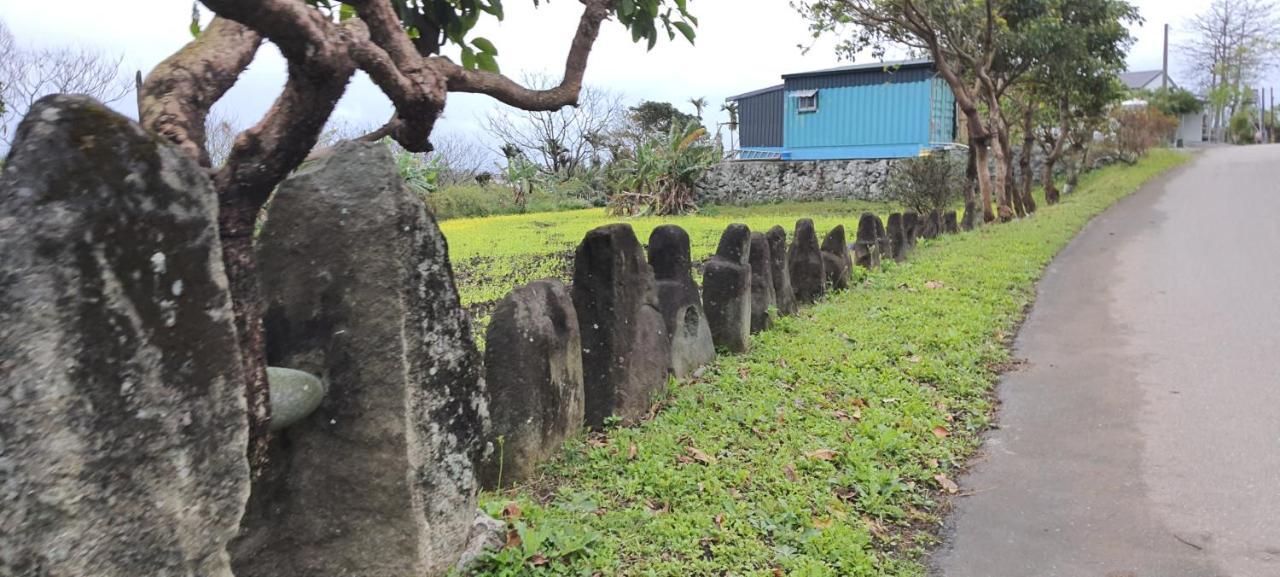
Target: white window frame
{"points": [[806, 101]]}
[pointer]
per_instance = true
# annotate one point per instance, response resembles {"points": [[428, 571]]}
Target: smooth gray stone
{"points": [[294, 395]]}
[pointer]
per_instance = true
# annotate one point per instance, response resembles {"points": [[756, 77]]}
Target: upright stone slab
{"points": [[882, 236], [949, 223], [808, 275], [898, 237], [867, 245], [836, 260], [971, 217], [359, 290], [932, 225], [626, 352], [680, 301], [533, 372], [781, 271], [763, 299], [726, 290], [123, 425], [912, 227]]}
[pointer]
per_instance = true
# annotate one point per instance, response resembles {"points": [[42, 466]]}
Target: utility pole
{"points": [[1164, 77]]}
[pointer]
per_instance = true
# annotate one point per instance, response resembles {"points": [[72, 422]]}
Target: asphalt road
{"points": [[1142, 438]]}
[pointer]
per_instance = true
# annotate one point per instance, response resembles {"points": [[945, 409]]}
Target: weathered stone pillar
{"points": [[836, 260], [867, 246], [123, 426], [808, 277], [972, 216], [680, 301], [932, 225], [949, 223], [898, 237], [763, 300], [380, 479], [533, 371], [781, 271], [726, 290], [626, 352], [912, 227], [882, 236]]}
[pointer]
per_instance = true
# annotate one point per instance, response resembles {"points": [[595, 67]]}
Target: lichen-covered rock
{"points": [[626, 353], [294, 395], [808, 275], [781, 271], [763, 300], [836, 260], [949, 223], [680, 300], [533, 372], [897, 232], [726, 290], [882, 237], [867, 246], [932, 226], [359, 291], [123, 425]]}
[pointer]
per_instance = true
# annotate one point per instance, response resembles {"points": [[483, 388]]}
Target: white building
{"points": [[1192, 128]]}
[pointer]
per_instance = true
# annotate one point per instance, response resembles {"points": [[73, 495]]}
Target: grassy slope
{"points": [[815, 453]]}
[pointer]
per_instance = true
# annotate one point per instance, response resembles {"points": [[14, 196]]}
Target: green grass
{"points": [[816, 452]]}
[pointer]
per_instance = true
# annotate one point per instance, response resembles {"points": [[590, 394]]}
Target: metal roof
{"points": [[872, 66], [755, 93], [1141, 78]]}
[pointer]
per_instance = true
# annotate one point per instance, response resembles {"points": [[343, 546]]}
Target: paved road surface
{"points": [[1143, 437]]}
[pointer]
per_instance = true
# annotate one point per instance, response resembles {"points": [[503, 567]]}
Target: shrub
{"points": [[1242, 128], [926, 183], [663, 174], [1137, 129]]}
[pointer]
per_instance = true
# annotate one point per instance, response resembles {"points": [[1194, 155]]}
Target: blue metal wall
{"points": [[760, 118], [861, 109]]}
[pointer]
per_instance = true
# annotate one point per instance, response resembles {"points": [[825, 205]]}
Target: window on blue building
{"points": [[806, 100]]}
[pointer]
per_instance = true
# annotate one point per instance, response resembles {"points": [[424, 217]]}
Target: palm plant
{"points": [[662, 176]]}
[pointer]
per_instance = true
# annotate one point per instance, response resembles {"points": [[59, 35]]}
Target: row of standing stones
{"points": [[123, 423]]}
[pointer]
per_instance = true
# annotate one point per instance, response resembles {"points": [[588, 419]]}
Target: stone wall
{"points": [[765, 181]]}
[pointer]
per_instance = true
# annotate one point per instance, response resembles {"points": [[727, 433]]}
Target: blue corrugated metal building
{"points": [[882, 110]]}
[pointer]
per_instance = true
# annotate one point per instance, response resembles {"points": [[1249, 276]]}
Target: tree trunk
{"points": [[1028, 144], [998, 142], [971, 176], [984, 177]]}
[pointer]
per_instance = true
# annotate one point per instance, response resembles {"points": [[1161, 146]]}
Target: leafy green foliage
{"points": [[1242, 127], [824, 450], [927, 183], [662, 175], [1175, 102], [659, 117]]}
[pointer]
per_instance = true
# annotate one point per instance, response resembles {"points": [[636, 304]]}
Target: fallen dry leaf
{"points": [[538, 559], [513, 539], [823, 523], [744, 372], [720, 520], [511, 512], [631, 452], [941, 432], [933, 284], [699, 455], [789, 473], [822, 454], [914, 359], [841, 415], [947, 484]]}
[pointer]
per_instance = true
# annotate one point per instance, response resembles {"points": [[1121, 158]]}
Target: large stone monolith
{"points": [[533, 372], [808, 277], [882, 237], [123, 425], [836, 260], [867, 245], [680, 300], [726, 290], [781, 273], [626, 353], [898, 237], [359, 290], [763, 300]]}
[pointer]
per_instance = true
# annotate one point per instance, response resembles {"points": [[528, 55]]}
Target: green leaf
{"points": [[468, 58], [627, 8], [487, 62], [484, 45], [686, 30], [195, 20], [346, 12]]}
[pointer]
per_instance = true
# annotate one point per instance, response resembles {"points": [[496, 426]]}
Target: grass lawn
{"points": [[824, 450]]}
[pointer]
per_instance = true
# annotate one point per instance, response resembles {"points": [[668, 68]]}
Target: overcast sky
{"points": [[742, 45]]}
